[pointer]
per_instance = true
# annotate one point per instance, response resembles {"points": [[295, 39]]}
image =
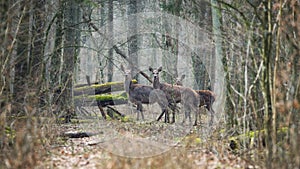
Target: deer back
{"points": [[173, 92], [139, 92], [207, 97], [190, 96]]}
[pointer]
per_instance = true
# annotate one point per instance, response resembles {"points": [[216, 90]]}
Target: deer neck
{"points": [[156, 83]]}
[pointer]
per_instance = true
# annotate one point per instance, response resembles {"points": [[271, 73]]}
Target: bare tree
{"points": [[71, 50], [110, 66]]}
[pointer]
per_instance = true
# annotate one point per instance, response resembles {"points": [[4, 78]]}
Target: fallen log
{"points": [[100, 88], [79, 134], [113, 111], [102, 100]]}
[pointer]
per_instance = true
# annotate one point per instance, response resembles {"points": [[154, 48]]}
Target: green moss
{"points": [[103, 97], [250, 134], [101, 85], [106, 97], [198, 140], [126, 119], [98, 85], [234, 144], [10, 133], [178, 139], [222, 131], [80, 97], [235, 141], [283, 130]]}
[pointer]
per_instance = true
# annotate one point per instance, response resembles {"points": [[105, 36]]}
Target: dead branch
{"points": [[79, 134], [117, 50]]}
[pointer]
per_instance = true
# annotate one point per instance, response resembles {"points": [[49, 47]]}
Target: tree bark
{"points": [[71, 22], [55, 64], [171, 43], [100, 88], [132, 37], [22, 55], [267, 80], [110, 70]]}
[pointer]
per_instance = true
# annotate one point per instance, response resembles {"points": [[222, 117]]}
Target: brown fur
{"points": [[175, 94], [206, 98], [142, 94]]}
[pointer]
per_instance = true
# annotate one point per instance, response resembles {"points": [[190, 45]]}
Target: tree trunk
{"points": [[55, 64], [100, 70], [170, 57], [267, 80], [110, 70], [71, 21], [199, 69], [132, 37], [37, 65], [217, 78], [21, 58]]}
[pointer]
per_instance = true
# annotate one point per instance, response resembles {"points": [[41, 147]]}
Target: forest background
{"points": [[246, 51]]}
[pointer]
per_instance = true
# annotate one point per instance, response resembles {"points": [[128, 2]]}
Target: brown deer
{"points": [[143, 94], [175, 94], [179, 80], [207, 98]]}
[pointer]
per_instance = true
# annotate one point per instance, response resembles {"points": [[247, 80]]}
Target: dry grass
{"points": [[24, 141], [191, 152]]}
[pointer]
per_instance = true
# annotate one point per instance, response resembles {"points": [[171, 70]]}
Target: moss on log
{"points": [[249, 137], [102, 100], [97, 89]]}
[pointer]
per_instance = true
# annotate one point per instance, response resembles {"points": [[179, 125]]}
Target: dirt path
{"points": [[133, 144]]}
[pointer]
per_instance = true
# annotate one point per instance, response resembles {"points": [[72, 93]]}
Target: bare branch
{"points": [[117, 50]]}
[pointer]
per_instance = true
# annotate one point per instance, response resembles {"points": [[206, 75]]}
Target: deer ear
{"points": [[150, 69], [159, 69], [182, 77]]}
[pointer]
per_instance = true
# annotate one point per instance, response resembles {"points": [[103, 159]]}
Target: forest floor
{"points": [[139, 144]]}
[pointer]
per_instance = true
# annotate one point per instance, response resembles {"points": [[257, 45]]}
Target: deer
{"points": [[172, 104], [206, 98], [175, 94], [179, 80], [143, 94]]}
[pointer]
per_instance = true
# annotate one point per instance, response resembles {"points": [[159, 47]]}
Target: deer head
{"points": [[155, 73], [128, 78], [179, 80]]}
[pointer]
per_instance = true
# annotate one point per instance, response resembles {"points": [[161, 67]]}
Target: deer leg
{"points": [[164, 111], [140, 110], [186, 115], [212, 112], [142, 115], [160, 116], [138, 114], [167, 119], [190, 118], [173, 108], [196, 117], [184, 118], [173, 116], [197, 114]]}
